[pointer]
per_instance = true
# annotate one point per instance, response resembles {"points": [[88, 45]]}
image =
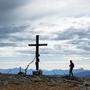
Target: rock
{"points": [[5, 83]]}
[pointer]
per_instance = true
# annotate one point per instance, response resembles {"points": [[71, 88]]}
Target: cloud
{"points": [[39, 8], [24, 10], [63, 25], [78, 40], [6, 5], [6, 35], [83, 44], [61, 34], [8, 44], [74, 33], [7, 8], [10, 29]]}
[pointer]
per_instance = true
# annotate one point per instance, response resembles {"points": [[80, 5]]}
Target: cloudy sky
{"points": [[63, 24]]}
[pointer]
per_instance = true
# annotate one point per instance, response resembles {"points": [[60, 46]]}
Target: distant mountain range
{"points": [[77, 72]]}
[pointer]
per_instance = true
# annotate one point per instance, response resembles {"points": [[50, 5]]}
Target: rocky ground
{"points": [[16, 82]]}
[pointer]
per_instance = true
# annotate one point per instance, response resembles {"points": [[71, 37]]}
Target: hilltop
{"points": [[51, 82]]}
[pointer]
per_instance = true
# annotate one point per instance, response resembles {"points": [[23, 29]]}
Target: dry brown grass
{"points": [[35, 84], [38, 87]]}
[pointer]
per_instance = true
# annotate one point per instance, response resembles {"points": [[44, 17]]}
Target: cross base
{"points": [[37, 73]]}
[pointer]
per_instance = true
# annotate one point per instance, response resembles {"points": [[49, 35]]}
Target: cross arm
{"points": [[38, 44], [31, 44], [42, 44]]}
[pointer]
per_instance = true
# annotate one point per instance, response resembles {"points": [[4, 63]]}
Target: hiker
{"points": [[71, 68]]}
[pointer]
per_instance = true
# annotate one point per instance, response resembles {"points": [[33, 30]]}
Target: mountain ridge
{"points": [[77, 72]]}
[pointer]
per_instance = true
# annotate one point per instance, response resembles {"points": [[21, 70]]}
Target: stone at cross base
{"points": [[37, 73]]}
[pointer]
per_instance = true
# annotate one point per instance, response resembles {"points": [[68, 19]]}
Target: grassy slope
{"points": [[14, 82]]}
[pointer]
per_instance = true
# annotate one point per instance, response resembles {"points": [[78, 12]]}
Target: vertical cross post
{"points": [[37, 51]]}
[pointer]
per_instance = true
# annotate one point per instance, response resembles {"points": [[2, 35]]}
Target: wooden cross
{"points": [[37, 50]]}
